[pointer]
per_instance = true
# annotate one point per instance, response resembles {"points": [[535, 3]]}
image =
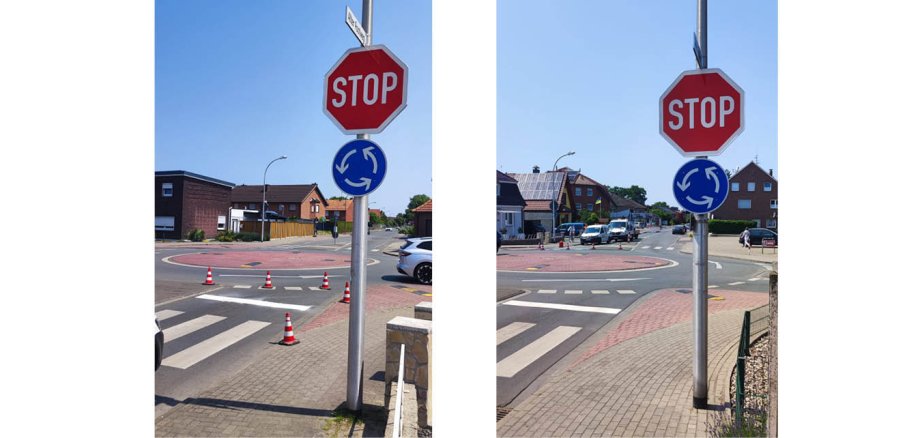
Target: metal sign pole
{"points": [[355, 391], [701, 262]]}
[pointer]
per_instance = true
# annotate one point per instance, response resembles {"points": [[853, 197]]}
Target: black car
{"points": [[758, 234], [679, 229]]}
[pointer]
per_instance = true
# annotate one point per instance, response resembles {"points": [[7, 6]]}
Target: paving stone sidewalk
{"points": [[293, 391], [636, 379]]}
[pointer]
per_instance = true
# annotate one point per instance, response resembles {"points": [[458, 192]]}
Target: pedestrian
{"points": [[571, 233], [746, 238]]}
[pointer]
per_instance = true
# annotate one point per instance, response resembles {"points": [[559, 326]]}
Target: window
{"points": [[165, 223], [744, 204], [590, 191], [577, 206], [590, 207], [577, 191], [281, 207], [425, 245], [752, 186], [293, 207], [167, 190], [498, 189], [773, 203], [252, 206], [221, 223], [508, 218], [768, 187], [771, 223], [736, 186]]}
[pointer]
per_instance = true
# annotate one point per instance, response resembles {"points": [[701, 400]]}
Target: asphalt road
{"points": [[212, 332], [558, 311]]}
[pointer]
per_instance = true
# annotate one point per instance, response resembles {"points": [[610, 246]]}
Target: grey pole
{"points": [[354, 392], [701, 264], [553, 202], [262, 236]]}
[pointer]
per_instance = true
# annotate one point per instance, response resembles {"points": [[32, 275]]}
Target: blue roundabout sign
{"points": [[359, 167]]}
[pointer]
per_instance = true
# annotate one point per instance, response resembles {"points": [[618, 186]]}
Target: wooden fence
{"points": [[278, 230]]}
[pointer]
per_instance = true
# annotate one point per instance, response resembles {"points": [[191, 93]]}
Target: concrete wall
{"points": [[416, 335]]}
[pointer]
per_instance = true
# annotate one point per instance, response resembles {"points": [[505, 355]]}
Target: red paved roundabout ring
{"points": [[263, 260], [576, 262]]}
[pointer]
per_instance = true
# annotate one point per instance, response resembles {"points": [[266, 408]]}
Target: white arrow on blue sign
{"points": [[359, 167], [700, 186]]}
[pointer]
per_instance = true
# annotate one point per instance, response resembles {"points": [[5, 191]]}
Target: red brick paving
{"points": [[379, 297], [259, 260], [667, 308], [575, 262]]}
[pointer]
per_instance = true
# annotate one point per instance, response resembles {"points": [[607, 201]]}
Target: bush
{"points": [[226, 236], [249, 237], [196, 235], [718, 226], [407, 230]]}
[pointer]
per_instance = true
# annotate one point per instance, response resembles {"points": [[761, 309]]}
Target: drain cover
{"points": [[253, 264], [328, 260], [502, 412]]}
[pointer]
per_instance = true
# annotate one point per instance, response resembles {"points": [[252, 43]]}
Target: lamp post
{"points": [[553, 202], [264, 174]]}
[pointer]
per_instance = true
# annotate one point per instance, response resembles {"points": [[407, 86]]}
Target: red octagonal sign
{"points": [[365, 90], [702, 112]]}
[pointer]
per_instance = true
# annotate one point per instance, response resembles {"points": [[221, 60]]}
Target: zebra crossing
{"points": [[583, 292], [670, 248]]}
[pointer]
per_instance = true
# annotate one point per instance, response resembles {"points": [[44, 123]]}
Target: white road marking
{"points": [[293, 288], [187, 327], [608, 310], [375, 250], [203, 350], [573, 292], [646, 247], [736, 283], [511, 365], [590, 279], [626, 292], [242, 286], [713, 286], [314, 288], [657, 247], [253, 302], [546, 291], [166, 314], [718, 265], [511, 330], [600, 292], [754, 279], [670, 248]]}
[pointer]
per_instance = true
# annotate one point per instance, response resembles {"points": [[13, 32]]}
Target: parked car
{"points": [[158, 343], [757, 235], [415, 259], [679, 229], [623, 230], [563, 229], [595, 234], [388, 229], [533, 227]]}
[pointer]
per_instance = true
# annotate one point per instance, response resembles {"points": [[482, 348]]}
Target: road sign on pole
{"points": [[702, 112], [359, 167], [700, 186], [352, 21], [365, 90]]}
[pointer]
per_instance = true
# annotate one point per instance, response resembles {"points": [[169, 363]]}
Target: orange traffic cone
{"points": [[325, 281], [347, 298], [541, 247], [209, 280], [561, 243], [268, 281], [288, 332], [621, 245]]}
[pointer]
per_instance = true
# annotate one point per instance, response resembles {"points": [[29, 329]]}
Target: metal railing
{"points": [[759, 320], [397, 422]]}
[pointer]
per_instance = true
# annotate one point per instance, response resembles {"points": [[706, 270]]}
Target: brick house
{"points": [[586, 193], [302, 201], [539, 190], [423, 218], [752, 195], [185, 201], [343, 209]]}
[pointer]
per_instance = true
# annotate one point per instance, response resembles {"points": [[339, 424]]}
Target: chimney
{"points": [[771, 172], [536, 169]]}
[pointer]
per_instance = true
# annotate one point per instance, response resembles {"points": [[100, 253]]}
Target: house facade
{"points": [[423, 217], [509, 215], [752, 195], [588, 194], [185, 201], [539, 191], [300, 201]]}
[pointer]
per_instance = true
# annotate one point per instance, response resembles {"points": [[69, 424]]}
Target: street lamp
{"points": [[283, 157], [553, 202]]}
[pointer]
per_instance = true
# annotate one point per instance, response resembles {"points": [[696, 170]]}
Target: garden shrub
{"points": [[719, 226]]}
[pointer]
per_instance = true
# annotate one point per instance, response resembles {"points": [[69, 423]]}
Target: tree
{"points": [[664, 215], [374, 218], [415, 201], [660, 205], [339, 198], [634, 193]]}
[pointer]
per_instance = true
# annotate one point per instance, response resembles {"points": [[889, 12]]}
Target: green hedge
{"points": [[718, 226], [250, 237], [196, 235]]}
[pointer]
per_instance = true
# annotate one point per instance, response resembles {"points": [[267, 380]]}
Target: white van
{"points": [[622, 230], [595, 234]]}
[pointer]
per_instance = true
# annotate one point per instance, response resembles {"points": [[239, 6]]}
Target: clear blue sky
{"points": [[587, 76], [239, 83]]}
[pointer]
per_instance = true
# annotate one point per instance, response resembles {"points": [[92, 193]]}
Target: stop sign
{"points": [[365, 90], [701, 112]]}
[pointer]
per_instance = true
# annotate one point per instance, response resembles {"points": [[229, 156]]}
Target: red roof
{"points": [[426, 207]]}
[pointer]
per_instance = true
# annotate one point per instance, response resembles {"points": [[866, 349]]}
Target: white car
{"points": [[388, 229], [415, 259]]}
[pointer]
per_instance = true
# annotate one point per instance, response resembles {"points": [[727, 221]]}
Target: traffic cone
{"points": [[568, 246], [561, 243], [209, 280], [347, 298], [621, 245], [268, 281], [325, 281], [592, 245], [288, 332], [541, 247]]}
